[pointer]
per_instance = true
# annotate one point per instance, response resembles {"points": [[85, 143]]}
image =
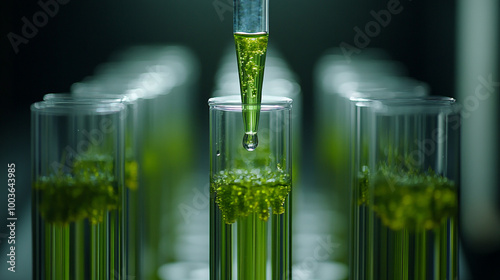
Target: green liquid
{"points": [[406, 225], [132, 216], [79, 250], [250, 225], [88, 193], [161, 183], [78, 223], [131, 171], [251, 49]]}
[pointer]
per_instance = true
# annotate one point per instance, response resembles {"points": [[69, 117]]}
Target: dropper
{"points": [[251, 31]]}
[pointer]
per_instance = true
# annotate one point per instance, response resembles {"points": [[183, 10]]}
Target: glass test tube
{"points": [[405, 189], [337, 78], [279, 81], [334, 137], [77, 176], [334, 142], [163, 79], [250, 214], [131, 191]]}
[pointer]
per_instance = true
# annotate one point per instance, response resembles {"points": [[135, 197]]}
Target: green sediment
{"points": [[87, 193], [251, 49], [408, 199], [240, 193]]}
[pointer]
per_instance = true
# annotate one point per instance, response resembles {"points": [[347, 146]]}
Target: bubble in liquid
{"points": [[250, 141]]}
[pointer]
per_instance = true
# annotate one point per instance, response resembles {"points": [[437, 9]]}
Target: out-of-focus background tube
{"points": [[161, 81], [405, 189], [371, 75], [132, 192]]}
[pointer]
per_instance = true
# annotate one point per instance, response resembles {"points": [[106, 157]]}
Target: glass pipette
{"points": [[251, 31]]}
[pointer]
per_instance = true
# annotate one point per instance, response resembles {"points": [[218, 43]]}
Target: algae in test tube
{"points": [[78, 186], [404, 194], [250, 226]]}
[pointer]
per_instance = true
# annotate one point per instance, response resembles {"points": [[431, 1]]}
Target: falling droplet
{"points": [[250, 141]]}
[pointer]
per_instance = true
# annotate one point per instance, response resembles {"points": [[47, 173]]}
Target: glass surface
{"points": [[160, 80], [333, 136], [78, 190], [132, 191], [250, 16], [250, 192], [405, 183]]}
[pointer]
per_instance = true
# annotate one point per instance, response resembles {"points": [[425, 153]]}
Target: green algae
{"points": [[405, 198], [241, 192], [88, 192]]}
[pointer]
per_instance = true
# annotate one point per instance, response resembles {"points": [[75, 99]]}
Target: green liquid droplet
{"points": [[251, 49]]}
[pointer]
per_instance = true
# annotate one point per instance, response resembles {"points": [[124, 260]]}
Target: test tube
{"points": [[78, 190], [405, 189], [333, 137], [131, 191], [334, 140], [250, 192], [279, 81], [163, 78]]}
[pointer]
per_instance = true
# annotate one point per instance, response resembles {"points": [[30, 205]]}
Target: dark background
{"points": [[83, 34]]}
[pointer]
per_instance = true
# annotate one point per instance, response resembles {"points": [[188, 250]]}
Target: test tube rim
{"points": [[70, 107], [78, 89], [389, 87], [398, 106], [99, 97], [233, 103]]}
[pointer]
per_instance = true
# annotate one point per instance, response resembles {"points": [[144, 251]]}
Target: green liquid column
{"points": [[78, 190], [162, 80], [251, 32], [250, 225], [251, 49]]}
